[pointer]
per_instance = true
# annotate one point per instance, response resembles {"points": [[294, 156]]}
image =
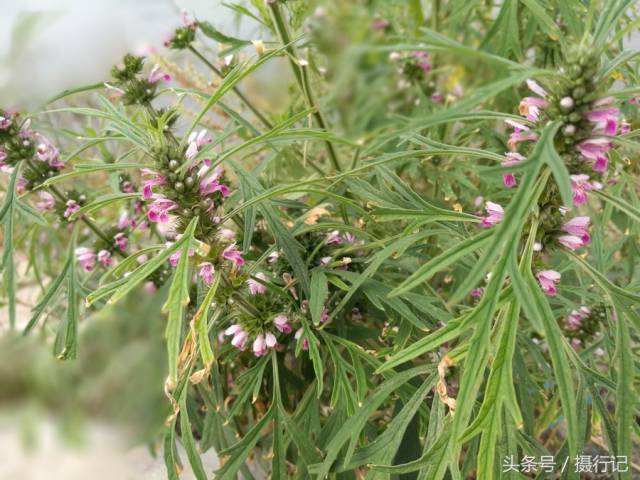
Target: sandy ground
{"points": [[101, 457]]}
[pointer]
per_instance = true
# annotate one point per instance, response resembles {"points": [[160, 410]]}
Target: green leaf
{"points": [[240, 451], [177, 301], [212, 32], [442, 261], [619, 204], [66, 343], [102, 202], [123, 286], [51, 293], [188, 441], [319, 294], [516, 212]]}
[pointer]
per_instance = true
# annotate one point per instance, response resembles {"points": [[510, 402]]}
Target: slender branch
{"points": [[236, 90], [85, 220], [302, 78]]}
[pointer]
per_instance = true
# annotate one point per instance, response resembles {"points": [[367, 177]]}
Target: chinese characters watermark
{"points": [[578, 464]]}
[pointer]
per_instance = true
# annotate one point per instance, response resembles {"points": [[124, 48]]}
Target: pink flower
{"points": [[422, 63], [159, 210], [548, 280], [477, 292], [186, 21], [86, 257], [5, 122], [259, 345], [72, 207], [121, 241], [325, 260], [580, 185], [571, 241], [273, 257], [239, 339], [174, 258], [379, 24], [595, 149], [21, 184], [578, 233], [334, 238], [209, 185], [511, 158], [305, 342], [104, 257], [232, 254], [606, 119], [625, 127], [156, 75], [324, 315], [495, 214], [207, 271], [578, 226], [125, 221], [256, 287], [196, 141], [47, 201], [150, 288], [154, 180], [281, 322], [47, 152]]}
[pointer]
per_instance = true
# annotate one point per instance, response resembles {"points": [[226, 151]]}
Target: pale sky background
{"points": [[67, 43]]}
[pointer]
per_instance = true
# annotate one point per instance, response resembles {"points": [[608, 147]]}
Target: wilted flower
{"points": [[520, 133]]}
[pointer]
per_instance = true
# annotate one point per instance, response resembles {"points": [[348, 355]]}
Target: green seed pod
{"points": [[179, 187], [574, 117], [172, 176], [579, 92], [186, 213], [189, 182], [173, 165], [566, 104]]}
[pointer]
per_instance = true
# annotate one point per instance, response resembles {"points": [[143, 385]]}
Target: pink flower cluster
{"points": [[262, 341], [575, 318]]}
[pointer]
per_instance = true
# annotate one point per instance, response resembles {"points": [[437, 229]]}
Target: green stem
{"points": [[236, 90], [85, 220], [302, 78]]}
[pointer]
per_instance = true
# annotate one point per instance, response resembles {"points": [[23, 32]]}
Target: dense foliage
{"points": [[419, 260]]}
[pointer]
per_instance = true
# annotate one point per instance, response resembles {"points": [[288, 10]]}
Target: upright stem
{"points": [[302, 78], [236, 90]]}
